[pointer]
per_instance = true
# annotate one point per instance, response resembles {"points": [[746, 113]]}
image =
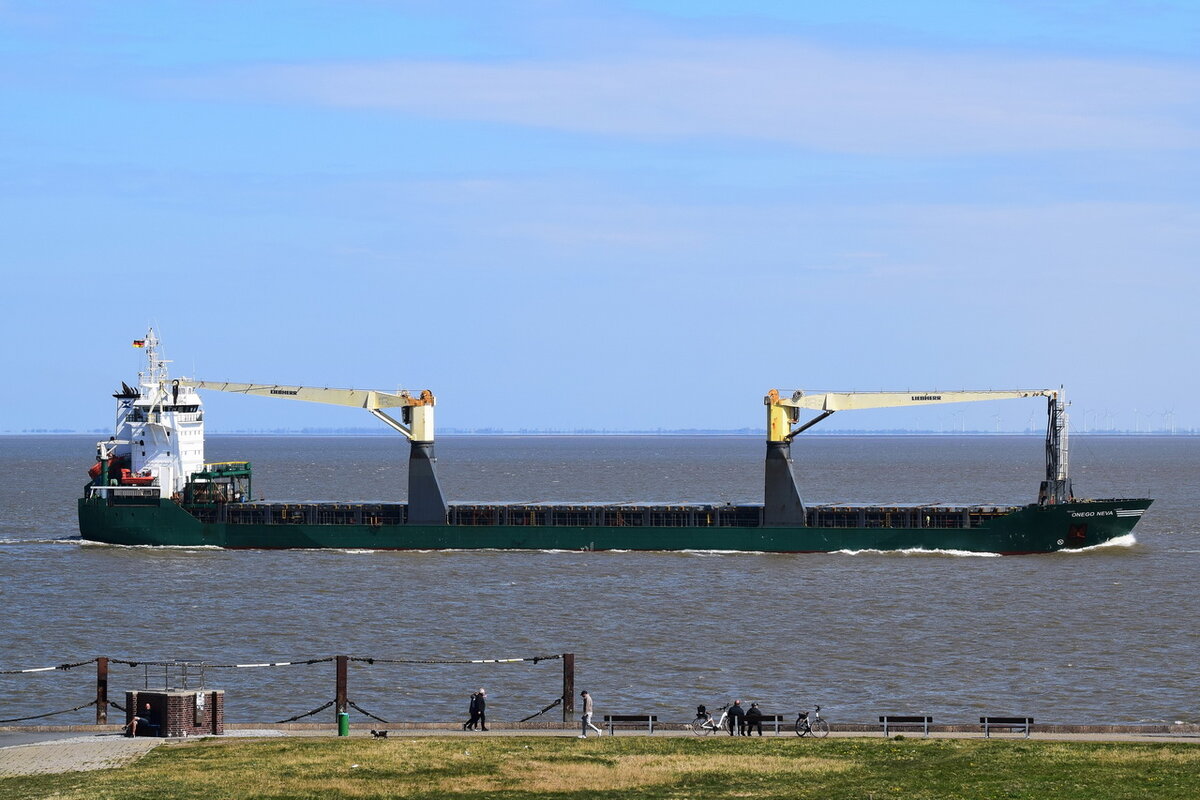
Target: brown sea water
{"points": [[1102, 636]]}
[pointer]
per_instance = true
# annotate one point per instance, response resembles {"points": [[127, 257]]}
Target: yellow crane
{"points": [[781, 496], [426, 505]]}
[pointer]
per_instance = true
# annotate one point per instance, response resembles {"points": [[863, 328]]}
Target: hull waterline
{"points": [[1030, 529]]}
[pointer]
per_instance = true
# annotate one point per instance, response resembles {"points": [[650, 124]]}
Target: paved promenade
{"points": [[33, 752], [73, 754]]}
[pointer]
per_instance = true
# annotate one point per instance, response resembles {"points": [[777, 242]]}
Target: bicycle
{"points": [[811, 724], [704, 723]]}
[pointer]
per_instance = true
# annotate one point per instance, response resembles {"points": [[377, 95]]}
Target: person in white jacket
{"points": [[587, 716]]}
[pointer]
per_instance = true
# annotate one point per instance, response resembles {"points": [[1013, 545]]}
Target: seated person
{"points": [[145, 719], [754, 718]]}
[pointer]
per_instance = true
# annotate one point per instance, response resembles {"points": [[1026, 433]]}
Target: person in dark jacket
{"points": [[754, 719], [145, 718], [737, 719], [473, 722], [482, 698]]}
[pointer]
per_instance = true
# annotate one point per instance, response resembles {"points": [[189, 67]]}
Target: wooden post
{"points": [[568, 694], [101, 690], [339, 704]]}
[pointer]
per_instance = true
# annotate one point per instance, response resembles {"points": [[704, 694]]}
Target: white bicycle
{"points": [[811, 724], [704, 723]]}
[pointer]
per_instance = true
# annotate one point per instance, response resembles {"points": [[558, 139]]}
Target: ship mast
{"points": [[782, 504], [156, 367], [1057, 486]]}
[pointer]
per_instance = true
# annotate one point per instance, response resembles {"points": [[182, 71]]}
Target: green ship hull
{"points": [[150, 486], [1016, 530]]}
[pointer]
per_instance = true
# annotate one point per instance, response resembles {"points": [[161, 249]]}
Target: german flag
{"points": [[139, 342]]}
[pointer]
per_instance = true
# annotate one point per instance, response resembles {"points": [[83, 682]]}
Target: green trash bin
{"points": [[343, 724]]}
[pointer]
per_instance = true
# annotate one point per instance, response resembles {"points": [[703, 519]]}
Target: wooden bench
{"points": [[769, 720], [629, 721], [1006, 723], [893, 722]]}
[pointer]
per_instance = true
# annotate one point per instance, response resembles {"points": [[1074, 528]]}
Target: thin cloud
{"points": [[797, 94]]}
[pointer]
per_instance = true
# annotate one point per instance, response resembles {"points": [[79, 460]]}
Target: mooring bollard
{"points": [[568, 694], [340, 699], [343, 724], [101, 690]]}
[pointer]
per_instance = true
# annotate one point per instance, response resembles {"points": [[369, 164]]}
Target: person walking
{"points": [[470, 724], [737, 719], [754, 720], [587, 716], [482, 704]]}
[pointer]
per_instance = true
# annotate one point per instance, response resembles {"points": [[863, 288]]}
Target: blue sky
{"points": [[603, 215]]}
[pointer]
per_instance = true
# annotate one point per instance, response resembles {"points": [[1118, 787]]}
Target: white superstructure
{"points": [[159, 432]]}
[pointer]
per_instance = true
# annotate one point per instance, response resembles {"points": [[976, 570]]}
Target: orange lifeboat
{"points": [[115, 464], [129, 479]]}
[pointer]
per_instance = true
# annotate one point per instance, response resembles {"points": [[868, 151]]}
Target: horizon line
{"points": [[755, 432]]}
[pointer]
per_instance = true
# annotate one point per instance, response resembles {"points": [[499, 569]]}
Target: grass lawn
{"points": [[635, 766]]}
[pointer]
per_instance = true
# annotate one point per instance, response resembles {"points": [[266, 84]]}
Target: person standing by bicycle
{"points": [[737, 719]]}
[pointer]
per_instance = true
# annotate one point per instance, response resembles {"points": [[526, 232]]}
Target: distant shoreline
{"points": [[743, 432]]}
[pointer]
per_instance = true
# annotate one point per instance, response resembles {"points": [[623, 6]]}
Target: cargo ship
{"points": [[150, 485]]}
